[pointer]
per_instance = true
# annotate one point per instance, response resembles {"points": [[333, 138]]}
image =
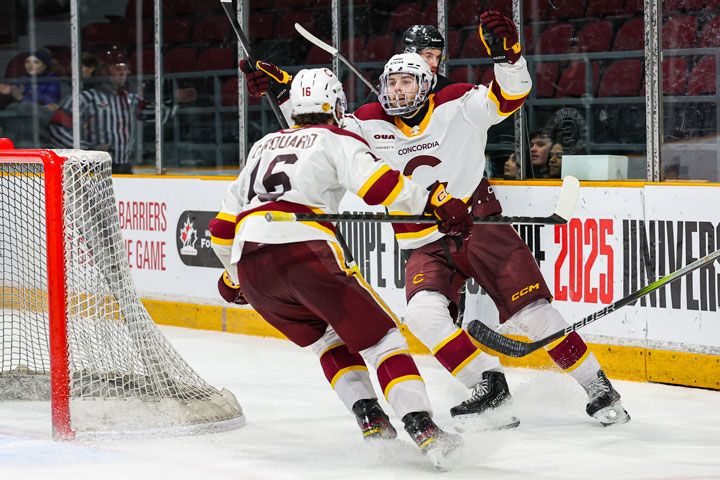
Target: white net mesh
{"points": [[124, 375]]}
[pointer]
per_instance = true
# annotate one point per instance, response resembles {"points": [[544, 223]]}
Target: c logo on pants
{"points": [[418, 278]]}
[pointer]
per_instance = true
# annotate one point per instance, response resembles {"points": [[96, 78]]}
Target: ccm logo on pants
{"points": [[525, 291]]}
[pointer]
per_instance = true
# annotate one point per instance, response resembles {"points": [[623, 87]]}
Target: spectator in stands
{"points": [[555, 160], [110, 113], [511, 169], [43, 90], [540, 142]]}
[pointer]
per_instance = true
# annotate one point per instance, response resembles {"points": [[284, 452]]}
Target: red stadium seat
{"points": [[147, 64], [702, 78], [623, 78], [631, 36], [473, 47], [208, 8], [679, 32], [555, 39], [318, 56], [464, 74], [670, 6], [229, 93], [147, 7], [465, 13], [535, 10], [176, 30], [99, 34], [285, 26], [529, 40], [568, 10], [147, 32], [211, 29], [712, 5], [634, 6], [502, 6], [429, 14], [223, 58], [260, 26], [595, 37], [16, 66], [546, 79], [606, 7], [404, 16], [675, 74], [452, 44], [179, 60], [710, 34], [572, 80], [352, 48], [173, 8], [378, 49]]}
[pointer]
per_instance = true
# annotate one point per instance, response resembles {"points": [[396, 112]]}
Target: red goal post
{"points": [[72, 328]]}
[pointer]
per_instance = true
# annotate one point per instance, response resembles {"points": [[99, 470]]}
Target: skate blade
{"points": [[444, 457], [498, 419], [615, 414]]}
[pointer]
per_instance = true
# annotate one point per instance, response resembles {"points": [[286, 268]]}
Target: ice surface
{"points": [[298, 429]]}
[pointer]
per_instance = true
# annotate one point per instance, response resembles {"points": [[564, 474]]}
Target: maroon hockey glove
{"points": [[451, 213], [230, 291], [264, 77], [500, 36]]}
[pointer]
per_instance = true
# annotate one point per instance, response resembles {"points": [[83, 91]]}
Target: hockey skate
{"points": [[604, 402], [440, 446], [373, 421], [489, 407]]}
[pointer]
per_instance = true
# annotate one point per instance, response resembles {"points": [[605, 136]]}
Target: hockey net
{"points": [[73, 329]]}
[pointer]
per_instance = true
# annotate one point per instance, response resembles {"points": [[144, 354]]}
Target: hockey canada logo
{"points": [[188, 237]]}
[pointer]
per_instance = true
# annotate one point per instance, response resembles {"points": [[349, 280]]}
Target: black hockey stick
{"points": [[515, 348], [334, 52], [272, 100], [275, 106], [562, 214]]}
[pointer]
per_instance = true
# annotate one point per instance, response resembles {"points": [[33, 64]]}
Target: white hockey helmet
{"points": [[403, 103], [318, 90]]}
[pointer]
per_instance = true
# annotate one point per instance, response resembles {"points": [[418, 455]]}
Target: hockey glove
{"points": [[230, 291], [264, 77], [500, 37], [452, 213]]}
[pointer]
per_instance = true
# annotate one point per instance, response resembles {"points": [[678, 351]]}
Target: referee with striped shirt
{"points": [[109, 114]]}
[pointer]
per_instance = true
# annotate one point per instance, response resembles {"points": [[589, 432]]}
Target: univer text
{"points": [[418, 148], [287, 141]]}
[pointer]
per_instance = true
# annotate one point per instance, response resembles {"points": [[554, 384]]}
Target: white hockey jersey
{"points": [[449, 143], [304, 170]]}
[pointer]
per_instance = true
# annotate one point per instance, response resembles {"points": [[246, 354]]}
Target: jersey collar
{"points": [[417, 130]]}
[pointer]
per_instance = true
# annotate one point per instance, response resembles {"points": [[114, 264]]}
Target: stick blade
{"points": [[567, 200], [499, 343]]}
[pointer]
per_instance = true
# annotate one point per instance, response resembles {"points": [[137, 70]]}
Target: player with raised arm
{"points": [[436, 137], [294, 274]]}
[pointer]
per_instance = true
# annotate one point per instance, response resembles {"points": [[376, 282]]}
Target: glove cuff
{"points": [[280, 76], [228, 281], [438, 196]]}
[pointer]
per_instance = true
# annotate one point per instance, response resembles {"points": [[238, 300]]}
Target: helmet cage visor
{"points": [[398, 103]]}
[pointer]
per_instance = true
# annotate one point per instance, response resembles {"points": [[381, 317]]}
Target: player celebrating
{"points": [[294, 274], [436, 137]]}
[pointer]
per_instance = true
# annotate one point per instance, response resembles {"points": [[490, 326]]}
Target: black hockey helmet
{"points": [[419, 37]]}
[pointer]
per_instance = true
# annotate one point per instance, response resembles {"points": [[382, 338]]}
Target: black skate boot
{"points": [[439, 445], [604, 402], [373, 421], [489, 407]]}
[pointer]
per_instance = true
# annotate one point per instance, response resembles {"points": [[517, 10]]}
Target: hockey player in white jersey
{"points": [[437, 137], [294, 273]]}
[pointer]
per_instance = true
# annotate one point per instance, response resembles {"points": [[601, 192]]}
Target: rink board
{"points": [[622, 237]]}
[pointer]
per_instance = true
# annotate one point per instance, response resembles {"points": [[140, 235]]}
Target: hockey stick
{"points": [[272, 100], [515, 348], [562, 214], [334, 52]]}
